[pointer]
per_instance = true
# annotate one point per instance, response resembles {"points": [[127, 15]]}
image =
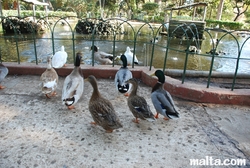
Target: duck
{"points": [[73, 84], [102, 57], [212, 52], [3, 73], [138, 105], [154, 40], [214, 41], [121, 76], [162, 100], [60, 58], [101, 109], [193, 49], [129, 56], [49, 80]]}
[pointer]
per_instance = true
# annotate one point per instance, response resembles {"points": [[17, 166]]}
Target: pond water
{"points": [[225, 62]]}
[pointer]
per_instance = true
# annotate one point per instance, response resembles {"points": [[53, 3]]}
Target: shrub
{"points": [[224, 24], [39, 14]]}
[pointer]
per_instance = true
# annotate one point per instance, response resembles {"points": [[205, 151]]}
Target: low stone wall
{"points": [[189, 91]]}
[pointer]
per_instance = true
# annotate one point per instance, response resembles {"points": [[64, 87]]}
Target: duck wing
{"points": [[59, 59], [104, 114], [102, 59], [72, 87], [164, 104], [129, 56], [48, 76], [140, 107], [49, 80], [3, 72], [106, 55]]}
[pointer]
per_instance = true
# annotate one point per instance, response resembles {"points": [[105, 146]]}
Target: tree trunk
{"points": [[237, 14], [219, 11], [240, 12]]}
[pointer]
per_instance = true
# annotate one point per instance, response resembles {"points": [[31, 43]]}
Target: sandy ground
{"points": [[40, 132]]}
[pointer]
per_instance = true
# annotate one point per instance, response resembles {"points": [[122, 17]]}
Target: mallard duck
{"points": [[162, 99], [129, 56], [102, 57], [73, 85], [60, 58], [121, 76], [101, 109], [3, 72], [49, 80], [138, 105]]}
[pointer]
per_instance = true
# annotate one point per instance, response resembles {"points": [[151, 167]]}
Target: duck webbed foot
{"points": [[47, 95], [136, 121], [53, 93], [126, 94], [71, 107], [50, 95], [109, 131], [157, 115]]}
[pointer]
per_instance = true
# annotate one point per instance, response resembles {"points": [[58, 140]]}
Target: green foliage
{"points": [[57, 4], [90, 8], [225, 24], [227, 13], [62, 14], [159, 19], [39, 14], [150, 6]]}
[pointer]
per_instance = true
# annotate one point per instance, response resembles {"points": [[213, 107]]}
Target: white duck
{"points": [[102, 57], [73, 85], [129, 56], [162, 99], [121, 76], [60, 58], [3, 72], [49, 80]]}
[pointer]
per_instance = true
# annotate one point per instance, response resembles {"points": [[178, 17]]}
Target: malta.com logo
{"points": [[210, 161]]}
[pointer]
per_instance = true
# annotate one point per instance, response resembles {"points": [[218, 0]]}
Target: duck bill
{"points": [[152, 74]]}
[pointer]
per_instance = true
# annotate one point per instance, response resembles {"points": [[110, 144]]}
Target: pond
{"points": [[224, 62]]}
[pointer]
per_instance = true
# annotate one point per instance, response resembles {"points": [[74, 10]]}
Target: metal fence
{"points": [[15, 30]]}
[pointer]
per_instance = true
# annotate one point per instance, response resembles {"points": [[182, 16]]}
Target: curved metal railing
{"points": [[15, 29]]}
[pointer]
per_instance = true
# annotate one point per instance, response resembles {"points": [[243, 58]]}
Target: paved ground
{"points": [[40, 132]]}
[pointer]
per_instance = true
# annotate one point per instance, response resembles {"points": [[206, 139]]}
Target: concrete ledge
{"points": [[104, 71], [194, 92], [199, 93], [194, 73]]}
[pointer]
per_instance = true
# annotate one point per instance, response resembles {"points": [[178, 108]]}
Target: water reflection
{"points": [[227, 46]]}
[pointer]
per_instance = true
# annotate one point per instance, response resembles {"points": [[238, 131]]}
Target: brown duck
{"points": [[138, 105], [49, 79], [101, 109]]}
